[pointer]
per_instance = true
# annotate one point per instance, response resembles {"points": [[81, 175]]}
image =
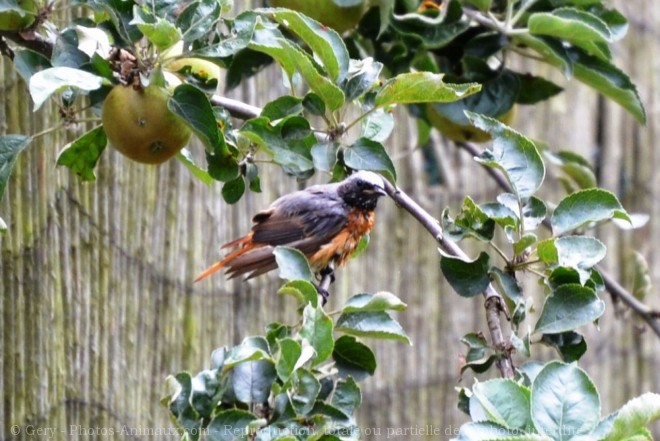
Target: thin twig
{"points": [[237, 109], [494, 302], [647, 314]]}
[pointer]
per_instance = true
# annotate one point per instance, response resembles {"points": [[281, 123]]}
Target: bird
{"points": [[325, 222]]}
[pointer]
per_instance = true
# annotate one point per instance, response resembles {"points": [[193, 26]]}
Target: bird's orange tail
{"points": [[245, 244]]}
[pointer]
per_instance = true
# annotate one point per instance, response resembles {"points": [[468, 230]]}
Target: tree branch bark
{"points": [[35, 43]]}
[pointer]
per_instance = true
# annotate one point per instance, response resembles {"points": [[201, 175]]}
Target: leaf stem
{"points": [[500, 252], [360, 118]]}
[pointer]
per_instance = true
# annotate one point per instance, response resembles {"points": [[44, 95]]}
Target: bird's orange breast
{"points": [[340, 248]]}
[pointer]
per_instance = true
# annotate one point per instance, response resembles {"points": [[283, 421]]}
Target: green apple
{"points": [[140, 126]]}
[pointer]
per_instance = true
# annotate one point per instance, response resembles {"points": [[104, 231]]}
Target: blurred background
{"points": [[98, 305]]}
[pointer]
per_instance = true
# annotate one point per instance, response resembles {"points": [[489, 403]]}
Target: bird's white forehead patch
{"points": [[369, 177]]}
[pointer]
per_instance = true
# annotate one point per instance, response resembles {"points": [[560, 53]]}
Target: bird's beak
{"points": [[380, 191]]}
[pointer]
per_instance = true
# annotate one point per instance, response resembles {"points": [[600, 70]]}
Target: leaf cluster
{"points": [[295, 381]]}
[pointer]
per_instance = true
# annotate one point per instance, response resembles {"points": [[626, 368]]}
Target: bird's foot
{"points": [[328, 271], [324, 295], [327, 277]]}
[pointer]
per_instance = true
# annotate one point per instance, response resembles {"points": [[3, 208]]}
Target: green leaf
{"points": [[477, 346], [222, 168], [496, 99], [292, 263], [375, 324], [314, 104], [159, 31], [505, 402], [512, 153], [186, 159], [366, 154], [381, 301], [57, 79], [430, 30], [229, 425], [350, 354], [508, 285], [317, 328], [567, 308], [610, 81], [422, 87], [501, 213], [579, 252], [206, 392], [378, 125], [512, 294], [10, 147], [570, 345], [634, 416], [82, 155], [192, 105], [467, 278], [198, 19], [584, 207], [536, 89], [575, 167], [362, 76], [305, 390], [302, 290], [483, 5], [292, 59], [28, 62], [233, 45], [534, 213], [250, 349], [521, 345], [251, 381], [564, 402], [294, 154], [347, 396], [179, 405], [233, 190], [325, 156], [580, 28], [290, 351], [471, 221], [552, 50], [326, 44], [524, 243], [281, 107]]}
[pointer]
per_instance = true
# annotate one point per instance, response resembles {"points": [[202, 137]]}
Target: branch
{"points": [[649, 315], [494, 303], [237, 109], [35, 42]]}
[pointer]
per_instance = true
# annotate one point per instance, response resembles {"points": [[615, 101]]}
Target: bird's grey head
{"points": [[362, 190]]}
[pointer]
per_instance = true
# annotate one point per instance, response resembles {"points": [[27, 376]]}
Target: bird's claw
{"points": [[324, 295], [328, 271]]}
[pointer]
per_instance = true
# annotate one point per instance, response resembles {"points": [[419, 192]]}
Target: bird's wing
{"points": [[305, 220], [306, 217]]}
